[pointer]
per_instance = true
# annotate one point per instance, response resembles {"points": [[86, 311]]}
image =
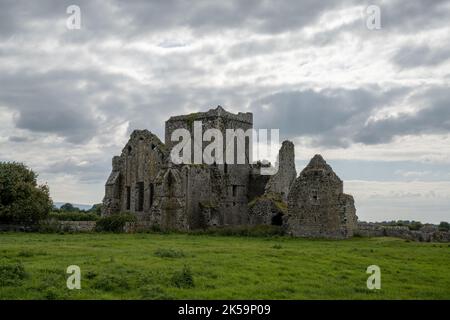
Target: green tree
{"points": [[96, 209], [22, 200], [415, 225], [68, 207], [444, 226]]}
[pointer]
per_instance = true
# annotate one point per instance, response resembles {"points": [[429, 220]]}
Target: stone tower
{"points": [[282, 181]]}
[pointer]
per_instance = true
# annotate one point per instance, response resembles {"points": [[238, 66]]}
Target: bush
{"points": [[12, 274], [73, 216], [111, 283], [169, 253], [22, 200], [114, 223], [183, 278], [444, 226]]}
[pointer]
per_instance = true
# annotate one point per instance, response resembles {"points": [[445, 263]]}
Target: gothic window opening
{"points": [[140, 191], [128, 195], [170, 183]]}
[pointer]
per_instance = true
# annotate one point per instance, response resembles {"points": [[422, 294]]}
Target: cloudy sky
{"points": [[374, 102]]}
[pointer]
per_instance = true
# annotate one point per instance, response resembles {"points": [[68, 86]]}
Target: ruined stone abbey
{"points": [[144, 181]]}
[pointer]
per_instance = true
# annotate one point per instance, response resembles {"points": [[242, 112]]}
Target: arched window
{"points": [[140, 196], [128, 196]]}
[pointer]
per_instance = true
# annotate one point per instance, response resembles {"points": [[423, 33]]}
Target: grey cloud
{"points": [[18, 139], [94, 170], [398, 17], [340, 117], [139, 17], [108, 18], [76, 127], [251, 48], [134, 19], [413, 16], [419, 56], [330, 116], [51, 102], [433, 117]]}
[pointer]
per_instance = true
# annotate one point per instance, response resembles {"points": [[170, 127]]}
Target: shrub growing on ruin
{"points": [[22, 200]]}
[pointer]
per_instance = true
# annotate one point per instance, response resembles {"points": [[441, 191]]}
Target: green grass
{"points": [[181, 266]]}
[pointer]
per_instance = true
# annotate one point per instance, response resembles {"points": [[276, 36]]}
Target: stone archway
{"points": [[277, 219]]}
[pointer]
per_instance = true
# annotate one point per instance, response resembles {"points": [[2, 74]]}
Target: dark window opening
{"points": [[129, 149], [170, 184], [225, 168], [128, 198], [277, 220], [315, 195], [152, 146], [140, 202], [247, 149], [234, 191], [151, 194]]}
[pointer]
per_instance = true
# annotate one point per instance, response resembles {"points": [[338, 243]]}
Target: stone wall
{"points": [[51, 226], [425, 234], [77, 226], [17, 228]]}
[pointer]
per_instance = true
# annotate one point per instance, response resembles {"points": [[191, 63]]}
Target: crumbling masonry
{"points": [[145, 182]]}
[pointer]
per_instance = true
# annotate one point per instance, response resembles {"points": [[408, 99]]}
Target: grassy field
{"points": [[177, 266]]}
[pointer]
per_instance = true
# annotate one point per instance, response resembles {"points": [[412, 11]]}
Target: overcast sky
{"points": [[374, 103]]}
